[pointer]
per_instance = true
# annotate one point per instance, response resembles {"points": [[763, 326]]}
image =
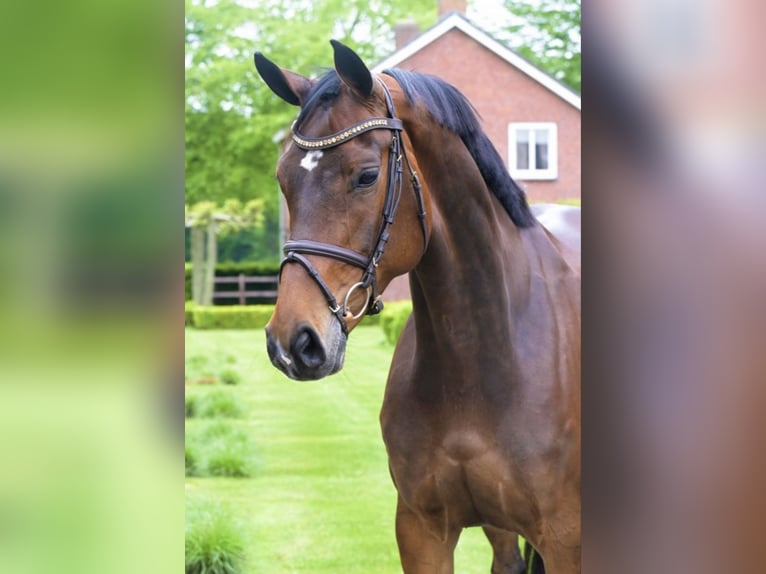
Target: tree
{"points": [[549, 36], [232, 118], [206, 221]]}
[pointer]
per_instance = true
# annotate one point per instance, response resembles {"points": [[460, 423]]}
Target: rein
{"points": [[295, 250]]}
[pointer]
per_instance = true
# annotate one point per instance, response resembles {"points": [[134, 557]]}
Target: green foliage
{"points": [[191, 457], [253, 244], [218, 449], [187, 282], [370, 320], [257, 268], [394, 318], [189, 307], [232, 119], [233, 317], [201, 369], [317, 459], [190, 405], [216, 430], [219, 404], [233, 215], [228, 460], [214, 544], [549, 36], [194, 365], [230, 377], [207, 221]]}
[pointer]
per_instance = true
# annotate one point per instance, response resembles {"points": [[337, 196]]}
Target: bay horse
{"points": [[392, 174]]}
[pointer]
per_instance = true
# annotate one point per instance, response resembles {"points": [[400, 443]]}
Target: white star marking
{"points": [[311, 160]]}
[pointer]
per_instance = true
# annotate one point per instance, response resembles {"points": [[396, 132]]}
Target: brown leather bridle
{"points": [[295, 250]]}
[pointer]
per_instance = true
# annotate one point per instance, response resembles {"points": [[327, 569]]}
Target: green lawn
{"points": [[320, 499]]}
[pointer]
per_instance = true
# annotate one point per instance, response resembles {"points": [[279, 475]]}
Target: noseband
{"points": [[295, 250]]}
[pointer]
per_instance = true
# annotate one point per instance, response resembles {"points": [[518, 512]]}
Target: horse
{"points": [[391, 174]]}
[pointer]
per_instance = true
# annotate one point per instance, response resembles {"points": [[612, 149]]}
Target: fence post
{"points": [[242, 289]]}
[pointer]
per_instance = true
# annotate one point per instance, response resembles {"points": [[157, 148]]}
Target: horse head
{"points": [[356, 209]]}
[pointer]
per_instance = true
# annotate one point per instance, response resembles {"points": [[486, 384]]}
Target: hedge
{"points": [[189, 307], [394, 318], [370, 320], [391, 320], [232, 316], [260, 268]]}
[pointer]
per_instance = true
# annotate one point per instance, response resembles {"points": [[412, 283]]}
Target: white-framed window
{"points": [[533, 150]]}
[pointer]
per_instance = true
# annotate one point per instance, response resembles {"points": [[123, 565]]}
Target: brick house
{"points": [[532, 119], [523, 110]]}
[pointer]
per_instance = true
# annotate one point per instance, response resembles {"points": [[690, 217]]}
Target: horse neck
{"points": [[478, 264]]}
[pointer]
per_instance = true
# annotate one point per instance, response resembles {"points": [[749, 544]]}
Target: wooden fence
{"points": [[264, 288]]}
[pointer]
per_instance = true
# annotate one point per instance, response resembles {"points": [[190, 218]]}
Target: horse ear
{"points": [[352, 70], [291, 87]]}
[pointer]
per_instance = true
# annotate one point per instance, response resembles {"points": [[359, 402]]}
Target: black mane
{"points": [[453, 111]]}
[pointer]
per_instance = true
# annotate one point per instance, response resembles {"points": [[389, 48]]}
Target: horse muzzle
{"points": [[307, 356]]}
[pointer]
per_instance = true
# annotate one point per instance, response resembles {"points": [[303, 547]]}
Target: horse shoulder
{"points": [[562, 222]]}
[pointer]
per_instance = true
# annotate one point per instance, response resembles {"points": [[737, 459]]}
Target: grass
{"points": [[211, 369], [212, 403], [218, 449], [220, 404], [214, 543], [320, 498]]}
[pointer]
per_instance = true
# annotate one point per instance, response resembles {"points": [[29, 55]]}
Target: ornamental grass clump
{"points": [[218, 449], [214, 544], [220, 404]]}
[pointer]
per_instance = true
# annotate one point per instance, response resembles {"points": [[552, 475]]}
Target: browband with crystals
{"points": [[347, 134]]}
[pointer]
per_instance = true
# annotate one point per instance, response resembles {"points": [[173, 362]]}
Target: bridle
{"points": [[295, 250]]}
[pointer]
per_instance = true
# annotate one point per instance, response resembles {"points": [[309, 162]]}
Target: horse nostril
{"points": [[308, 349]]}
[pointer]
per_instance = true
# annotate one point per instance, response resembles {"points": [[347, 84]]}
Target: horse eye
{"points": [[367, 178]]}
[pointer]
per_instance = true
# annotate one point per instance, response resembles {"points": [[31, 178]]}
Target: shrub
{"points": [[259, 268], [195, 362], [218, 449], [217, 430], [230, 377], [191, 457], [195, 367], [233, 317], [228, 460], [187, 282], [189, 307], [370, 320], [394, 318], [219, 404], [191, 406], [214, 544]]}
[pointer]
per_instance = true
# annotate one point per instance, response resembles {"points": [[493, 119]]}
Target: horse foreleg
{"points": [[420, 550], [506, 558], [561, 555]]}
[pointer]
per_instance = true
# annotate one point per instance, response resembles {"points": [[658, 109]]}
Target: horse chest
{"points": [[455, 476]]}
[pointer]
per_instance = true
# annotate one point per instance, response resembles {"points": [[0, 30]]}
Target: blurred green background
{"points": [[91, 239]]}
